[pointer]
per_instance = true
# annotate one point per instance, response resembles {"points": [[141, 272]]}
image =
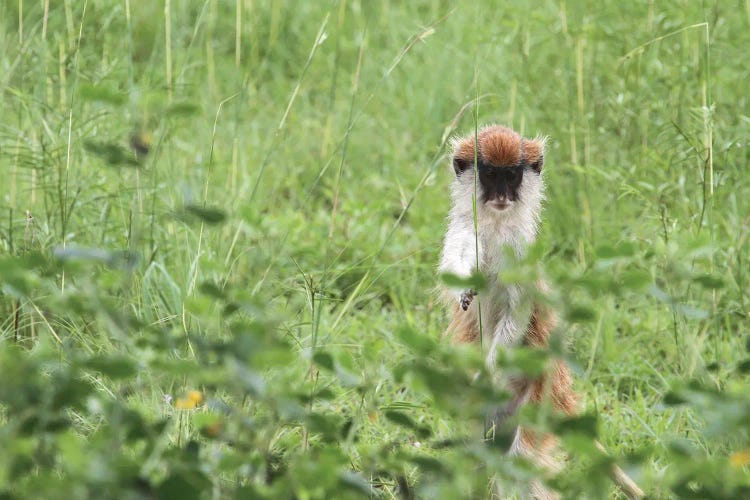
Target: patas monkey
{"points": [[505, 175]]}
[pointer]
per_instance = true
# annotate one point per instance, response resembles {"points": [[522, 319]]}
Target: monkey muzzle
{"points": [[499, 204]]}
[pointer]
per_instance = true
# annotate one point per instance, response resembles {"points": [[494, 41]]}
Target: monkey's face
{"points": [[500, 185], [500, 188], [508, 165]]}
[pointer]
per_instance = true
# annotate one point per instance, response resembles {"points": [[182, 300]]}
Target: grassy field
{"points": [[220, 224]]}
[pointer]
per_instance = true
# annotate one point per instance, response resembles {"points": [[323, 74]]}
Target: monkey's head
{"points": [[509, 167]]}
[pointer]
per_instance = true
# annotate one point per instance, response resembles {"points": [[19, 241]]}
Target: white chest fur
{"points": [[500, 238], [506, 309]]}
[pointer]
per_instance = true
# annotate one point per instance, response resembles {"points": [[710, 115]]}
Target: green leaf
{"points": [[327, 425], [111, 153], [136, 426], [580, 314], [636, 279], [174, 367], [71, 392], [124, 259], [181, 485], [531, 362], [101, 93], [417, 342], [429, 464], [324, 359], [660, 294], [208, 215], [113, 366], [709, 281], [404, 420], [682, 447], [212, 290], [183, 108], [400, 419], [476, 281], [744, 366], [673, 399], [355, 482], [593, 282], [584, 425], [625, 249], [346, 377], [691, 312]]}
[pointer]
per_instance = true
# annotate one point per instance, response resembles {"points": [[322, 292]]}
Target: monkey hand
{"points": [[466, 297]]}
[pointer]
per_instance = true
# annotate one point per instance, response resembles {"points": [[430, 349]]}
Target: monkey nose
{"points": [[500, 203]]}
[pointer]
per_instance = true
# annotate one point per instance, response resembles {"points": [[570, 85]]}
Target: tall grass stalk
{"points": [[65, 204], [421, 35], [337, 187], [475, 116], [319, 38]]}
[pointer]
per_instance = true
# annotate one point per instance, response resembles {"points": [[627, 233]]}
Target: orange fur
{"points": [[558, 377], [533, 150], [499, 146], [463, 328], [555, 384], [540, 445]]}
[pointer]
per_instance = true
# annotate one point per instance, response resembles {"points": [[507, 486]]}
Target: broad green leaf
{"points": [[625, 249], [209, 215], [635, 279], [182, 485], [418, 342], [181, 109], [583, 424], [477, 281], [580, 314], [101, 93], [355, 482], [324, 360], [113, 154], [113, 366], [404, 420], [709, 281], [212, 290]]}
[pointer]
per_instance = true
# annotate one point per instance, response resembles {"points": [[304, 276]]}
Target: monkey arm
{"points": [[459, 258]]}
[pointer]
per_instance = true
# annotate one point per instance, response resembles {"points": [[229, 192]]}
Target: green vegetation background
{"points": [[221, 219]]}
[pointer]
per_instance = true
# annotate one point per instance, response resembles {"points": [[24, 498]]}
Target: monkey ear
{"points": [[460, 165], [538, 164]]}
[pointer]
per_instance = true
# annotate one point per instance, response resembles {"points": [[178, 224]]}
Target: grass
{"points": [[296, 170]]}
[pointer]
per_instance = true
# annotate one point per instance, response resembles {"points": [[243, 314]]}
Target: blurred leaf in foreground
{"points": [[476, 281], [111, 153], [101, 93], [209, 215]]}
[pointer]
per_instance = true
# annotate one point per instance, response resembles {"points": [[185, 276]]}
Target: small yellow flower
{"points": [[740, 458], [191, 400], [184, 404], [195, 396]]}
